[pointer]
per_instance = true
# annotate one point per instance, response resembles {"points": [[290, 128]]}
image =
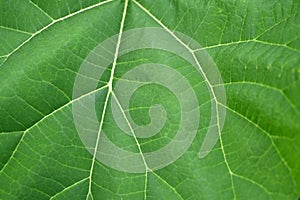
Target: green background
{"points": [[256, 46]]}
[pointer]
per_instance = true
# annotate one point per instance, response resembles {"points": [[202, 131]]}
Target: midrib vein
{"points": [[106, 99]]}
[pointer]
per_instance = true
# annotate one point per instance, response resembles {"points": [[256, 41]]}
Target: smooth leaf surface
{"points": [[256, 47]]}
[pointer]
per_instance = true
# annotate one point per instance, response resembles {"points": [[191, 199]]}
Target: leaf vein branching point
{"points": [[253, 182], [106, 99], [45, 117], [265, 132], [206, 80]]}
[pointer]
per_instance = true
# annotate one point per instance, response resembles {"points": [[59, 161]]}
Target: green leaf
{"points": [[90, 90]]}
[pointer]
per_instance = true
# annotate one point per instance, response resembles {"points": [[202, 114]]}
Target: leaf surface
{"points": [[255, 46]]}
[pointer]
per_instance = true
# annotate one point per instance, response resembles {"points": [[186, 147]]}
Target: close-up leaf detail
{"points": [[142, 99]]}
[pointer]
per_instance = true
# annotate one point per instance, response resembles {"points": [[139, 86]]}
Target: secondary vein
{"points": [[206, 80], [50, 24]]}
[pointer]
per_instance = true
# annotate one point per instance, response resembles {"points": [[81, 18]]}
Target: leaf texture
{"points": [[255, 46]]}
